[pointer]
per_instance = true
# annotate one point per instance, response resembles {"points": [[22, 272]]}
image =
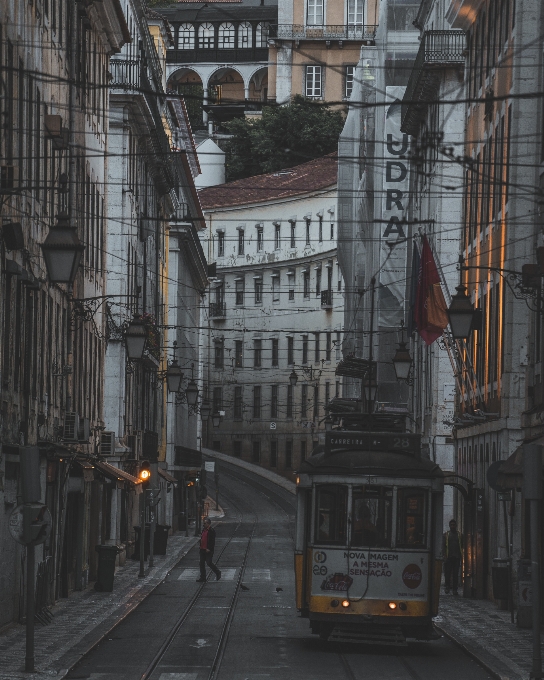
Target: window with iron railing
{"points": [[275, 351], [290, 350], [257, 353], [219, 354], [316, 347], [258, 291], [275, 288], [304, 349], [239, 290], [328, 346], [274, 402]]}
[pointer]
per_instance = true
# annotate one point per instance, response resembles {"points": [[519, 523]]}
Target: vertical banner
{"points": [[394, 205]]}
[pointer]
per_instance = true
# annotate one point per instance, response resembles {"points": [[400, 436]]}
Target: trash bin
{"points": [[136, 555], [160, 539], [107, 555], [499, 573]]}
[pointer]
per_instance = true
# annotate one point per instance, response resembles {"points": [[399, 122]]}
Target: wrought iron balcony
{"points": [[330, 32], [326, 299], [125, 74], [438, 50], [218, 310]]}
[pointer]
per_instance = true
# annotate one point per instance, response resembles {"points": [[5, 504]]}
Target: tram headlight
{"points": [[345, 603], [392, 605]]}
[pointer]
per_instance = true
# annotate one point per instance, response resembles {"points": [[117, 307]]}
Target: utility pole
{"points": [[532, 492]]}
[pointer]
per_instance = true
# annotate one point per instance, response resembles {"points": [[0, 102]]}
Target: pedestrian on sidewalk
{"points": [[207, 546], [452, 549]]}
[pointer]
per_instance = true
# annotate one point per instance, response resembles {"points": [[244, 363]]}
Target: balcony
{"points": [[218, 310], [220, 56], [332, 32], [125, 74], [438, 50], [326, 299]]}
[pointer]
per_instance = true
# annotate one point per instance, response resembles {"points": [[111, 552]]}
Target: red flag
{"points": [[430, 313]]}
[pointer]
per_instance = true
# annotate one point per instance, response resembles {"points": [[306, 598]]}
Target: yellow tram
{"points": [[368, 538]]}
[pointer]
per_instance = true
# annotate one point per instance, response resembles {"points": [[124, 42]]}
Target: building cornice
{"points": [[325, 255]]}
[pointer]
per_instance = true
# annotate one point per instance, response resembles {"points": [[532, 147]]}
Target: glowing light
{"points": [[345, 603], [145, 474], [392, 605]]}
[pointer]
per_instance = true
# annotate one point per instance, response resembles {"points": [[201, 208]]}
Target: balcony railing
{"points": [[330, 32], [326, 299], [438, 50], [218, 310], [125, 74]]}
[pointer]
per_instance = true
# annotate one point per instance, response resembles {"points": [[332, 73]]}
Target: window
{"points": [[331, 513], [304, 349], [257, 353], [313, 82], [273, 453], [219, 354], [275, 287], [238, 405], [217, 400], [256, 453], [332, 231], [293, 243], [257, 401], [206, 36], [306, 284], [186, 37], [316, 347], [245, 35], [371, 512], [308, 222], [304, 401], [239, 353], [277, 236], [328, 346], [316, 401], [289, 405], [226, 36], [274, 402], [239, 288], [318, 281], [261, 34], [290, 350], [355, 12], [314, 15], [260, 239], [327, 393], [302, 450], [320, 233], [275, 351], [288, 454], [241, 242], [291, 285], [411, 517], [350, 70], [220, 244], [237, 448], [258, 290]]}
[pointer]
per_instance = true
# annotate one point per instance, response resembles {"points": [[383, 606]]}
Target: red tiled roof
{"points": [[319, 173]]}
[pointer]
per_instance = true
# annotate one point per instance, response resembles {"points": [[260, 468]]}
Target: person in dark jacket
{"points": [[452, 549], [207, 546]]}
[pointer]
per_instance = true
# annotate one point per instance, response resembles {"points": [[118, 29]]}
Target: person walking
{"points": [[207, 546], [452, 549]]}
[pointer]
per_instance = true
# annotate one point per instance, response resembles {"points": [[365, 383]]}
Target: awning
{"points": [[115, 473], [167, 476]]}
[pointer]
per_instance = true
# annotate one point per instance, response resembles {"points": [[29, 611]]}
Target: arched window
{"points": [[262, 34], [206, 36], [186, 37], [245, 35], [226, 36]]}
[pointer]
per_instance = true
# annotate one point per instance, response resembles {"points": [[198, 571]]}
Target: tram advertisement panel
{"points": [[374, 573]]}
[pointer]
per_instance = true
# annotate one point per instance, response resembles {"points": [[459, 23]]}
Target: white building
{"points": [[276, 306]]}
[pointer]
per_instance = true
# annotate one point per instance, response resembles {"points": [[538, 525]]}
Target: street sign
{"points": [[30, 524], [209, 465], [272, 426]]}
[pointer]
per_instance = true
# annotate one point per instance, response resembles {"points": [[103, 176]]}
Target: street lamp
{"points": [[402, 362], [174, 374], [191, 393], [216, 419], [205, 409], [461, 314], [62, 251], [328, 423], [136, 338], [293, 378]]}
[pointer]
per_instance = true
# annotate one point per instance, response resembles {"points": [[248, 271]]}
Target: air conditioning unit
{"points": [[84, 430], [70, 432], [134, 441], [9, 177], [107, 443]]}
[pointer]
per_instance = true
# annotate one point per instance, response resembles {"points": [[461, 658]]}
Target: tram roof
{"points": [[363, 462]]}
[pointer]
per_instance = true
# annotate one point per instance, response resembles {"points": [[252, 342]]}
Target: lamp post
{"points": [[135, 338], [205, 409], [461, 314], [402, 363], [174, 374], [192, 393], [62, 251], [293, 378], [217, 418]]}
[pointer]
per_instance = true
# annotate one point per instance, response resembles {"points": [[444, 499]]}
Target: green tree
{"points": [[282, 137]]}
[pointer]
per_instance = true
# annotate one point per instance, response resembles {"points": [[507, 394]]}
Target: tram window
{"points": [[331, 511], [411, 516], [371, 516]]}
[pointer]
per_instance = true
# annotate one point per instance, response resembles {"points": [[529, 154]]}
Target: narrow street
{"points": [[246, 626]]}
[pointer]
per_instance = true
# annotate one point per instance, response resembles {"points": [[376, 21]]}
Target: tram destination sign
{"points": [[373, 441]]}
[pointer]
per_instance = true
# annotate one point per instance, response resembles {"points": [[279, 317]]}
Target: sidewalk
{"points": [[84, 618], [487, 634]]}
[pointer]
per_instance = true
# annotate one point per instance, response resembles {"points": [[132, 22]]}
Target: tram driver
{"points": [[365, 532]]}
